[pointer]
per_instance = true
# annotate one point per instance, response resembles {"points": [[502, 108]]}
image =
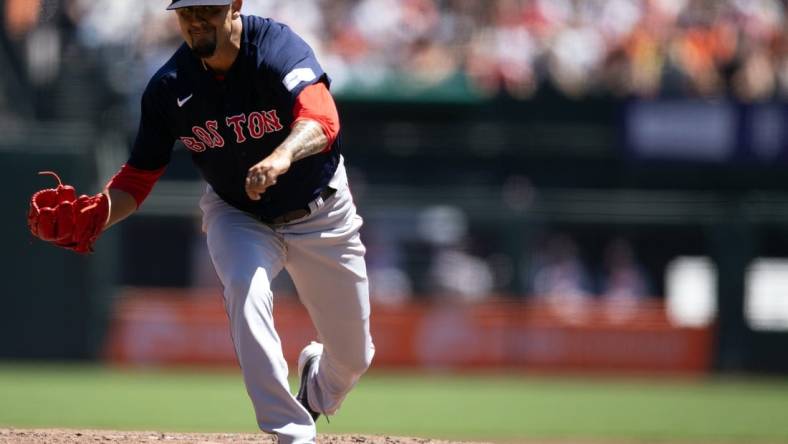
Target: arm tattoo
{"points": [[305, 139]]}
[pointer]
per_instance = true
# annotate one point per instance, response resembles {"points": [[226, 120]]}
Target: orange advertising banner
{"points": [[166, 327]]}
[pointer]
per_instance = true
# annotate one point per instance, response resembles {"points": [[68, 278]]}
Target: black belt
{"points": [[297, 213]]}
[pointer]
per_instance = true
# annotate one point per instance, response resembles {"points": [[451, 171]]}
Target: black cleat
{"points": [[307, 358]]}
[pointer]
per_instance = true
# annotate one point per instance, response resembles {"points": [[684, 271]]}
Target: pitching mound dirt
{"points": [[58, 436]]}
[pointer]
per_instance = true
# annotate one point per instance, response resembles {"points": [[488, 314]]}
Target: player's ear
{"points": [[236, 7]]}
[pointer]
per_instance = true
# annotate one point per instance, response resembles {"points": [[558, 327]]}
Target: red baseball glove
{"points": [[58, 216]]}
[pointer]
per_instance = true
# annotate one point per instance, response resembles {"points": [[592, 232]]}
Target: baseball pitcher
{"points": [[248, 98]]}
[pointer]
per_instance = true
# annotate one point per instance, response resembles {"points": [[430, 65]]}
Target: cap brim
{"points": [[187, 3]]}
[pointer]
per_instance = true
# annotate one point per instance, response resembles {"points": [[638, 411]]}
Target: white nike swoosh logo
{"points": [[183, 101]]}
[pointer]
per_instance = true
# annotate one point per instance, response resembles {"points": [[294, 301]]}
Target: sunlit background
{"points": [[549, 187]]}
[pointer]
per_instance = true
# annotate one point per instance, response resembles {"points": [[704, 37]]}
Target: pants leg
{"points": [[325, 258], [247, 255]]}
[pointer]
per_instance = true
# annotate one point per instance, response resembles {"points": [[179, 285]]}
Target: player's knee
{"points": [[358, 363]]}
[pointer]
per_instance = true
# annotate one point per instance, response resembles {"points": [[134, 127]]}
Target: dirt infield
{"points": [[67, 436], [60, 436]]}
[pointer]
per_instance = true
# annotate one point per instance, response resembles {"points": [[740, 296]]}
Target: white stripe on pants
{"points": [[325, 258]]}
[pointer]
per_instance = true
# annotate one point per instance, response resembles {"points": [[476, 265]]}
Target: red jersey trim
{"points": [[135, 181], [315, 103]]}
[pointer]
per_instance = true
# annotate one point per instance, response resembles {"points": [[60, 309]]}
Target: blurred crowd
{"points": [[443, 255], [646, 48], [516, 48]]}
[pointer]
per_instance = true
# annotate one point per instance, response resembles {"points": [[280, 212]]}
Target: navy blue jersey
{"points": [[231, 124]]}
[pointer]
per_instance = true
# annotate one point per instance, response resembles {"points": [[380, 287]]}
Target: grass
{"points": [[489, 407]]}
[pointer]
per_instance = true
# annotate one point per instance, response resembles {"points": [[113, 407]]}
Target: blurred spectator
{"points": [[503, 55], [453, 271], [20, 16], [389, 283], [27, 25], [389, 286], [624, 283], [559, 278]]}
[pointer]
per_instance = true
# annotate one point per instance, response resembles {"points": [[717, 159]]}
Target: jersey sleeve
{"points": [[290, 61], [315, 103], [138, 183], [153, 145]]}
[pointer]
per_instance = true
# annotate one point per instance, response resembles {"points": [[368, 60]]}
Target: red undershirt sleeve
{"points": [[315, 103], [135, 181]]}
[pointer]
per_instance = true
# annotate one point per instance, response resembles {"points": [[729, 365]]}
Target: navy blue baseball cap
{"points": [[186, 3]]}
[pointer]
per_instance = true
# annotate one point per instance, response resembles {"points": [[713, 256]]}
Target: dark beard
{"points": [[204, 50]]}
